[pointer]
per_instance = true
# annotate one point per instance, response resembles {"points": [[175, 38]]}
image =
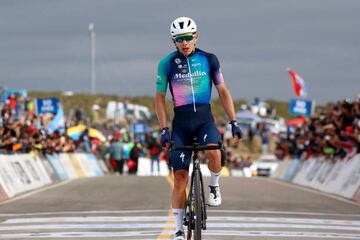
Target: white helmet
{"points": [[182, 25]]}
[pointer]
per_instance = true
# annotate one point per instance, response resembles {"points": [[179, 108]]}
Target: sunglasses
{"points": [[186, 38]]}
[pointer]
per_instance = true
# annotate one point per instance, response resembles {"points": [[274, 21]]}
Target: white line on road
{"points": [[165, 218], [160, 226], [166, 211], [321, 235]]}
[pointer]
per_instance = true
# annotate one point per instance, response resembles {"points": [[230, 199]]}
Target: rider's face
{"points": [[186, 43]]}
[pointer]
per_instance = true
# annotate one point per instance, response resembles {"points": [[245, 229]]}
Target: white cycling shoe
{"points": [[214, 196], [179, 235]]}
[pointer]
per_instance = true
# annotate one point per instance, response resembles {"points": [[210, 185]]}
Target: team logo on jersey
{"points": [[177, 60], [183, 76]]}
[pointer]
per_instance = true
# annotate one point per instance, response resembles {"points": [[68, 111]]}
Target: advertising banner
{"points": [[85, 164], [69, 168], [7, 177], [292, 169], [280, 171], [49, 170], [352, 180], [57, 166], [332, 183], [76, 164], [95, 164], [46, 105], [3, 194], [301, 107]]}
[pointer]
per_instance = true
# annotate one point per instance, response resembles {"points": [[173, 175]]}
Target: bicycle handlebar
{"points": [[196, 148]]}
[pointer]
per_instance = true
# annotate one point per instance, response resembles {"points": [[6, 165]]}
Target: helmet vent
{"points": [[174, 26], [181, 24], [189, 23]]}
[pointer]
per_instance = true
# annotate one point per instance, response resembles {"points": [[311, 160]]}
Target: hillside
{"points": [[85, 101]]}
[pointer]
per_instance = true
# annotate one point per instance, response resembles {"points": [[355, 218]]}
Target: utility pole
{"points": [[93, 55]]}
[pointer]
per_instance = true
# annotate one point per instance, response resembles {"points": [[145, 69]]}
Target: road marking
{"points": [[276, 234], [166, 211], [170, 219], [35, 192], [285, 213], [292, 185], [169, 226]]}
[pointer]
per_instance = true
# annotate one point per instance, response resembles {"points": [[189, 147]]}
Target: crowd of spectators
{"points": [[332, 133], [22, 130]]}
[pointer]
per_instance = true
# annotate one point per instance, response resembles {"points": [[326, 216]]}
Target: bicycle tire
{"points": [[198, 205], [189, 210]]}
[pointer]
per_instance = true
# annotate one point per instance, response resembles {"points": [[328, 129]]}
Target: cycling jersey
{"points": [[189, 78]]}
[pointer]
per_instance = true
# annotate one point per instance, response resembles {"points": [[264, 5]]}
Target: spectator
{"points": [[116, 151], [134, 158], [155, 150], [332, 133], [264, 134]]}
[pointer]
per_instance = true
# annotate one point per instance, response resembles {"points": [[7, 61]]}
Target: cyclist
{"points": [[190, 72]]}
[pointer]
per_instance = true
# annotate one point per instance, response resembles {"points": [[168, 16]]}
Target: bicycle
{"points": [[195, 206]]}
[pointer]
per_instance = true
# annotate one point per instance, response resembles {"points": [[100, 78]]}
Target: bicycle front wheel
{"points": [[198, 205]]}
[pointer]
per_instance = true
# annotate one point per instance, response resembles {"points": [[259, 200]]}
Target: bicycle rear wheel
{"points": [[198, 205]]}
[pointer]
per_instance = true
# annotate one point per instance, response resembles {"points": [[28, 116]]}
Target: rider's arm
{"points": [[218, 80], [161, 87], [226, 100], [161, 109]]}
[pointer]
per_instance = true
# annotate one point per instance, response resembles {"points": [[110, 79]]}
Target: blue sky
{"points": [[45, 44]]}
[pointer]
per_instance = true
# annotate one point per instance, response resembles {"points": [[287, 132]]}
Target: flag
{"points": [[58, 123], [299, 83]]}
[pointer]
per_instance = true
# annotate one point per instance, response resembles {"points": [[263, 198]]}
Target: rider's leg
{"points": [[209, 135], [214, 165], [181, 177]]}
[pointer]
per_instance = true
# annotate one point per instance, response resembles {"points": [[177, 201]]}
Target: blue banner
{"points": [[58, 123], [57, 166], [138, 128], [96, 166], [8, 92], [46, 105], [301, 107]]}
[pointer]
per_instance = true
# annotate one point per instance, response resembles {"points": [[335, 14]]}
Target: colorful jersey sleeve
{"points": [[215, 71], [162, 77]]}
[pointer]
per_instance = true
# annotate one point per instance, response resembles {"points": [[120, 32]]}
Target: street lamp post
{"points": [[93, 55]]}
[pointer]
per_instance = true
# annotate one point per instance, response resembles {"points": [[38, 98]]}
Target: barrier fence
{"points": [[24, 172], [340, 177]]}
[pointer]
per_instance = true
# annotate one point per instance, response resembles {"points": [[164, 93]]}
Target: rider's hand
{"points": [[236, 132], [165, 136]]}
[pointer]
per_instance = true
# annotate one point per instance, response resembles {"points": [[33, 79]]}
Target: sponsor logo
{"points": [[205, 136], [177, 60], [196, 64], [180, 76], [182, 155]]}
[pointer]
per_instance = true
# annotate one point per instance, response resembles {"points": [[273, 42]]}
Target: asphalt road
{"points": [[131, 207]]}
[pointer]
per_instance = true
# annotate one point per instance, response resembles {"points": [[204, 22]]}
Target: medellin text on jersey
{"points": [[189, 78]]}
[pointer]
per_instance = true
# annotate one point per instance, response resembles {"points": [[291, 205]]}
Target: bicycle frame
{"points": [[195, 206]]}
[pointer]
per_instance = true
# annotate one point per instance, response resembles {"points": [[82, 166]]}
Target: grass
{"points": [[85, 101]]}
